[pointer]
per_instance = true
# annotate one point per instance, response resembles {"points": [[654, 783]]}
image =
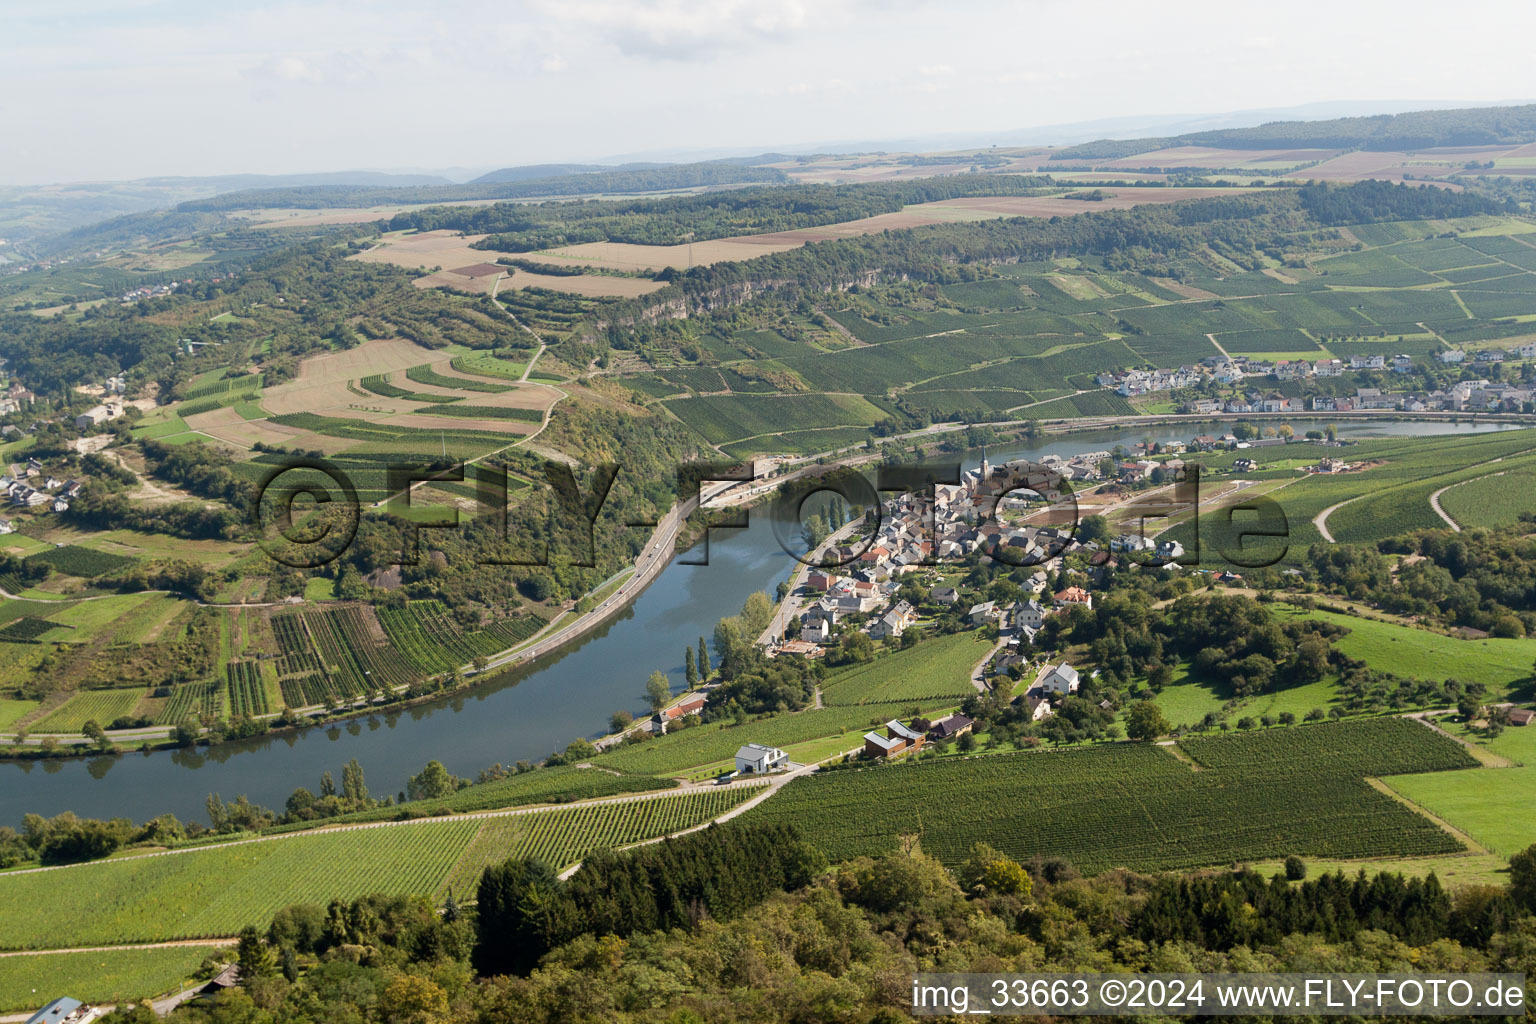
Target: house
{"points": [[6, 526], [687, 706], [1060, 680], [65, 1010], [1521, 716], [894, 622], [980, 613], [819, 580], [1131, 542], [1328, 368], [949, 728], [1243, 465], [1073, 596], [1402, 363], [755, 759], [60, 505], [1037, 707], [804, 648], [1454, 355], [1169, 550], [816, 630], [944, 595], [1031, 615], [898, 740]]}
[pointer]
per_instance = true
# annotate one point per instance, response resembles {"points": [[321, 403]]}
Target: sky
{"points": [[119, 89]]}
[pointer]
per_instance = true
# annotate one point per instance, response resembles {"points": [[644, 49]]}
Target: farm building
{"points": [[898, 740], [757, 759], [949, 728], [688, 706], [1521, 716]]}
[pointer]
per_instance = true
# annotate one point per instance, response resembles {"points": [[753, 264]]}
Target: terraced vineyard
{"points": [[99, 706], [1300, 790], [25, 629], [938, 669], [216, 890]]}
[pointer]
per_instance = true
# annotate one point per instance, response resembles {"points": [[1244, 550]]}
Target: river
{"points": [[524, 714]]}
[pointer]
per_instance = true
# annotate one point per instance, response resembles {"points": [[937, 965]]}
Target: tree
{"points": [[658, 691], [704, 668], [1145, 721], [412, 999], [1093, 528], [690, 668], [620, 721], [353, 789], [254, 956], [1522, 878], [431, 782], [989, 870], [95, 733], [1295, 868]]}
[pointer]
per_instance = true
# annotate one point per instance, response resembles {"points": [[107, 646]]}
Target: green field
{"points": [[216, 890], [11, 710], [937, 669], [99, 706], [1270, 793], [1493, 806], [1420, 654], [100, 976]]}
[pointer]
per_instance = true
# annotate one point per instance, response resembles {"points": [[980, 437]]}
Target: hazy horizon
{"points": [[166, 87]]}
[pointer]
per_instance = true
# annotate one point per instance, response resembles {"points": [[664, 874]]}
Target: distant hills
{"points": [[1421, 129]]}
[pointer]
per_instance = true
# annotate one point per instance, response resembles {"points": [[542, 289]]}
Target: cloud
{"points": [[935, 70], [684, 30], [553, 64]]}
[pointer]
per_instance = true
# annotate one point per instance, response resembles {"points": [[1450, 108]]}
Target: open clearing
{"points": [[473, 270]]}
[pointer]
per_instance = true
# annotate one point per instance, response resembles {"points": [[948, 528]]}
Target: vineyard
{"points": [[938, 669], [99, 706], [247, 694], [216, 890], [379, 384], [74, 560], [434, 643], [1267, 794], [492, 412], [424, 374], [192, 700], [26, 629], [562, 837]]}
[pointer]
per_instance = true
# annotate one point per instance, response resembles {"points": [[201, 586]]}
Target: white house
{"points": [[1059, 680], [754, 758], [1031, 614]]}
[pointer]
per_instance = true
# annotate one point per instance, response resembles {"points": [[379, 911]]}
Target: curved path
{"points": [[1434, 503], [1321, 519]]}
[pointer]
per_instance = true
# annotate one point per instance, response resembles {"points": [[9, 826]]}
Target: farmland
{"points": [[214, 891], [1276, 792], [99, 706], [98, 976], [1412, 653], [936, 670]]}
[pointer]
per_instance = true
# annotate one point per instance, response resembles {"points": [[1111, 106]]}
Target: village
{"points": [[1470, 395]]}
